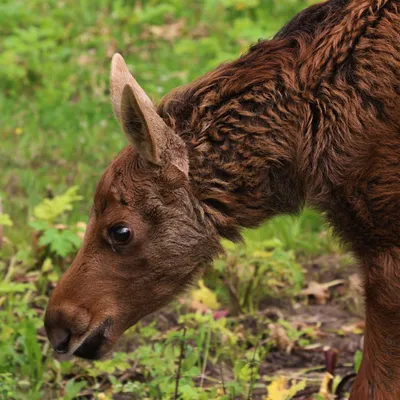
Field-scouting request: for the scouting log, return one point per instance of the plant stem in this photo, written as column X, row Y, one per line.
column 181, row 357
column 206, row 351
column 252, row 372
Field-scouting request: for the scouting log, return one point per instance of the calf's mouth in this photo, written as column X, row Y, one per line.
column 96, row 343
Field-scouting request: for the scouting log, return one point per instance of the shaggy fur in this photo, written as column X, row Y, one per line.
column 312, row 116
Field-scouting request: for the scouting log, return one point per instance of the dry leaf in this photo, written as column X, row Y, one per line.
column 221, row 314
column 317, row 291
column 84, row 59
column 320, row 291
column 280, row 338
column 356, row 284
column 82, row 229
column 324, row 389
column 357, row 327
column 111, row 48
column 198, row 306
column 168, row 32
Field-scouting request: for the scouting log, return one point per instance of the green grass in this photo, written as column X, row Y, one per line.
column 57, row 131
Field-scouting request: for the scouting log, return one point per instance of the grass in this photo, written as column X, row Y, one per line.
column 57, row 131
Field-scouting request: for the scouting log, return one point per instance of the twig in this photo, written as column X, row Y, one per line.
column 1, row 227
column 222, row 379
column 231, row 281
column 206, row 350
column 181, row 357
column 10, row 271
column 253, row 361
column 235, row 308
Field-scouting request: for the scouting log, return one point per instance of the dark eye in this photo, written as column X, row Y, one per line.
column 120, row 234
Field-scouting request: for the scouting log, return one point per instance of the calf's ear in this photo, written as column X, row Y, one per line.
column 144, row 128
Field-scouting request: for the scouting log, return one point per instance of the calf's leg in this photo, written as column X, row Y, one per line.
column 379, row 375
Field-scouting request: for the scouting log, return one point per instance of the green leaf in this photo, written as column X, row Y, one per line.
column 34, row 365
column 48, row 237
column 39, row 225
column 61, row 243
column 72, row 237
column 357, row 360
column 61, row 246
column 47, row 265
column 11, row 287
column 50, row 209
column 229, row 246
column 5, row 220
column 72, row 389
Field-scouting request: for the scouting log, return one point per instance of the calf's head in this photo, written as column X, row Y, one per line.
column 146, row 237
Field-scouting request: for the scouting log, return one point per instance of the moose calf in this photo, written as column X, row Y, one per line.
column 311, row 116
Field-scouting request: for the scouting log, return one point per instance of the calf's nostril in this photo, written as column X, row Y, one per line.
column 60, row 339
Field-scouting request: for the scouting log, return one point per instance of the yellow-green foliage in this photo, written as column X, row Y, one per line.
column 49, row 209
column 5, row 220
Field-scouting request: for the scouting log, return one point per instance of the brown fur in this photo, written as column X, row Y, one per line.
column 312, row 116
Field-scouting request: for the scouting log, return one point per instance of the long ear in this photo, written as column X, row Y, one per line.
column 136, row 113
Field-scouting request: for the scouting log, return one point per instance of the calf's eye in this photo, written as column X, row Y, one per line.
column 120, row 234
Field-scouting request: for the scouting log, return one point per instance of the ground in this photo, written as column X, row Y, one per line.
column 267, row 321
